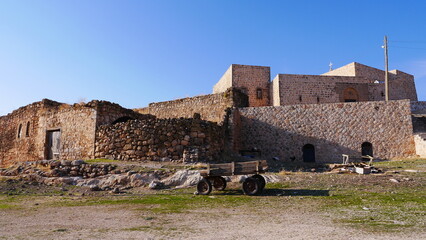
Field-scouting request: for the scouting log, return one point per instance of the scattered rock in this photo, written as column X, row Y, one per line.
column 394, row 180
column 156, row 185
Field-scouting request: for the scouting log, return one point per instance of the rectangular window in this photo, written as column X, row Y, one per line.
column 259, row 94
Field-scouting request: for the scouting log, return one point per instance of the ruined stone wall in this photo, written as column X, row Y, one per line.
column 160, row 139
column 211, row 107
column 108, row 112
column 333, row 129
column 20, row 145
column 76, row 124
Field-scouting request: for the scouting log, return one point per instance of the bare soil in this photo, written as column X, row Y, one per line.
column 302, row 206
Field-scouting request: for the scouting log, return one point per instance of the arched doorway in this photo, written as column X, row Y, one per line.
column 308, row 153
column 350, row 95
column 366, row 149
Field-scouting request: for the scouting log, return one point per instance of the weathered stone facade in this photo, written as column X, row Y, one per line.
column 351, row 83
column 332, row 130
column 25, row 133
column 292, row 118
column 211, row 107
column 160, row 139
column 252, row 80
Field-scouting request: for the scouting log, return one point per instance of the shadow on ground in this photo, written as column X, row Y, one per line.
column 281, row 192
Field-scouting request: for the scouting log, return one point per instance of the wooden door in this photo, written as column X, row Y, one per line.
column 53, row 144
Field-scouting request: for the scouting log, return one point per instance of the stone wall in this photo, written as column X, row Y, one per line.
column 333, row 130
column 211, row 107
column 420, row 140
column 418, row 107
column 18, row 131
column 160, row 139
column 252, row 80
column 309, row 89
column 76, row 124
column 401, row 85
column 108, row 113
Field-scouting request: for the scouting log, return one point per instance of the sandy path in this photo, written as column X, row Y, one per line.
column 128, row 222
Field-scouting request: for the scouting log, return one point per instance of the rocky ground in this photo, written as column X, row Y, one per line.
column 126, row 204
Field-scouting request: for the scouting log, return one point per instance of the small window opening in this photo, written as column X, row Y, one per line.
column 27, row 130
column 259, row 94
column 318, row 100
column 20, row 131
column 300, row 98
column 382, row 93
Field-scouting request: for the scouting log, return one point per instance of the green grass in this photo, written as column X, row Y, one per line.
column 415, row 164
column 172, row 202
column 102, row 160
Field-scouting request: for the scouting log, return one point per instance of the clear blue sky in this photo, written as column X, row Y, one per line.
column 136, row 52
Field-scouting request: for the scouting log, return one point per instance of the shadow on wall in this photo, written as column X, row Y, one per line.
column 280, row 146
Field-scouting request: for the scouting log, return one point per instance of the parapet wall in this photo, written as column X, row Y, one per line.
column 160, row 139
column 211, row 107
column 333, row 129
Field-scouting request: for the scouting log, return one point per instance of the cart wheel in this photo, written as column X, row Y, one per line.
column 261, row 180
column 251, row 186
column 219, row 183
column 204, row 187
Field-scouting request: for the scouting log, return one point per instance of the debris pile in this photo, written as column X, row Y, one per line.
column 360, row 168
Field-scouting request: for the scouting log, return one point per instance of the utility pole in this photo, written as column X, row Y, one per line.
column 386, row 69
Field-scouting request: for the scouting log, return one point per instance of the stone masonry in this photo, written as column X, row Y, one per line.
column 160, row 139
column 333, row 129
column 292, row 118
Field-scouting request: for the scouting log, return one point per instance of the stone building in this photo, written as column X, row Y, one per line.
column 310, row 118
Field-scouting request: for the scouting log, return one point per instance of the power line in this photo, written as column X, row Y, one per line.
column 408, row 47
column 409, row 41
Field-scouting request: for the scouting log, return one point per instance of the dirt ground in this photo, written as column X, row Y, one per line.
column 302, row 206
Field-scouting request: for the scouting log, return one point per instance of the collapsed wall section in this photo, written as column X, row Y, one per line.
column 109, row 113
column 330, row 129
column 211, row 107
column 160, row 139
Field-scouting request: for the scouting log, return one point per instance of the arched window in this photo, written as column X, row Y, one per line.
column 122, row 119
column 27, row 130
column 259, row 94
column 20, row 131
column 367, row 149
column 350, row 95
column 308, row 153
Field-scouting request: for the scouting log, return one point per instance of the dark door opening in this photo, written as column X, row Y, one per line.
column 308, row 153
column 366, row 149
column 53, row 142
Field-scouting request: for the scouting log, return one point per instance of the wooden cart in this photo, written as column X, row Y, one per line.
column 213, row 176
